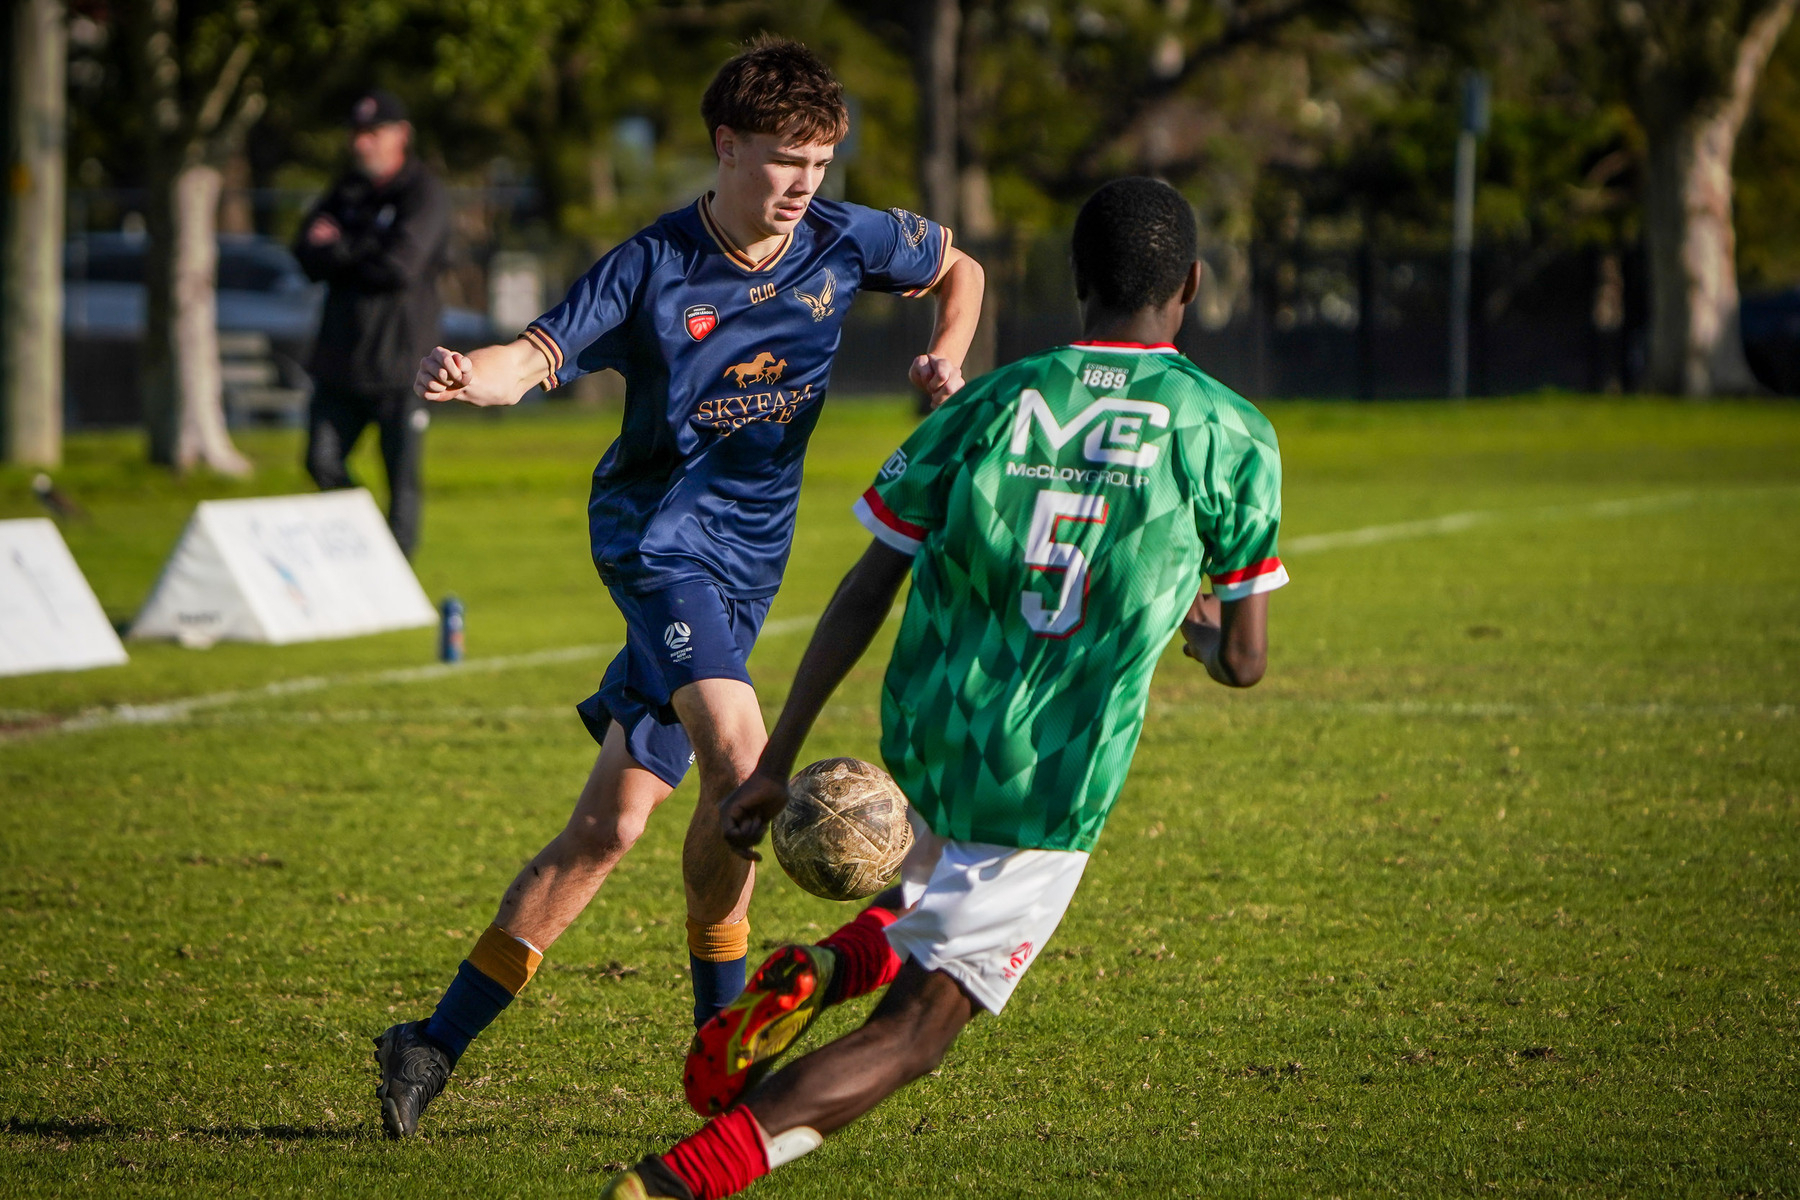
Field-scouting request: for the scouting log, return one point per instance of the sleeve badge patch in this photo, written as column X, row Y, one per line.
column 913, row 227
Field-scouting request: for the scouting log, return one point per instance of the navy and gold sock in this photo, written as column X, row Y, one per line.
column 717, row 957
column 497, row 969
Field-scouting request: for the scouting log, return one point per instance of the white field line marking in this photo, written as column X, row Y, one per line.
column 171, row 711
column 1499, row 708
column 1444, row 709
column 180, row 710
column 1371, row 535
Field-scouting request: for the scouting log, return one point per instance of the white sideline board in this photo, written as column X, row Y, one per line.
column 49, row 618
column 283, row 569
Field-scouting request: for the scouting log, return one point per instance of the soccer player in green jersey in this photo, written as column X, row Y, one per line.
column 1056, row 517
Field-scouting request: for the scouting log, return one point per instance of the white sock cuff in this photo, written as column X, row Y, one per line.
column 785, row 1147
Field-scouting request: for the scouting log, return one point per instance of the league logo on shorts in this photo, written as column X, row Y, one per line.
column 701, row 320
column 677, row 637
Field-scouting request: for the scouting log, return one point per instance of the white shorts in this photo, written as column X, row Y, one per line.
column 981, row 913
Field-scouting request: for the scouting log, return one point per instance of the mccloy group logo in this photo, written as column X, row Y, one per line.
column 1115, row 429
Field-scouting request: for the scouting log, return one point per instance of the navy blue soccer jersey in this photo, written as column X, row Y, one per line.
column 726, row 361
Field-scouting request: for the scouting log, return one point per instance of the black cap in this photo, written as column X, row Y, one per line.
column 378, row 107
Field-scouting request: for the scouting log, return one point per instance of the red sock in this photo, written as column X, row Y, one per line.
column 725, row 1157
column 865, row 960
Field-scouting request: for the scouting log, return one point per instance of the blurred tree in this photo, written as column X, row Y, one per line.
column 1330, row 119
column 199, row 97
column 31, row 232
column 1691, row 69
column 1767, row 172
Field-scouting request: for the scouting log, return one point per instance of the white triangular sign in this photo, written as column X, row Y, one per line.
column 49, row 617
column 285, row 569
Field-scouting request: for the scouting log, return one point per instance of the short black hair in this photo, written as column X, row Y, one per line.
column 1134, row 243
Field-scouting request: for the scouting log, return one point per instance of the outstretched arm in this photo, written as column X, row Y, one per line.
column 938, row 371
column 1229, row 638
column 850, row 623
column 493, row 375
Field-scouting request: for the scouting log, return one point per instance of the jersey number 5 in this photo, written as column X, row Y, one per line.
column 1044, row 553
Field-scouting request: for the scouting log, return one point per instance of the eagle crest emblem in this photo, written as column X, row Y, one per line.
column 819, row 303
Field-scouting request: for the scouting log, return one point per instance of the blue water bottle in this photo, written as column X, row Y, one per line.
column 450, row 630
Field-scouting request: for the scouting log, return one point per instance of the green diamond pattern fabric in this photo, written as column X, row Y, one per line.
column 1061, row 512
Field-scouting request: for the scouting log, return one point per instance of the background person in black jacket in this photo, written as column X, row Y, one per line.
column 377, row 239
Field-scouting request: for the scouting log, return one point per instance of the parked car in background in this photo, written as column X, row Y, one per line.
column 268, row 312
column 1771, row 325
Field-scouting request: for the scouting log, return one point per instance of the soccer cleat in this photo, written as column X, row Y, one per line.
column 736, row 1048
column 413, row 1071
column 626, row 1185
column 650, row 1179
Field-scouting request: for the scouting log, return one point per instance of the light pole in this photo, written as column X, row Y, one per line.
column 1462, row 241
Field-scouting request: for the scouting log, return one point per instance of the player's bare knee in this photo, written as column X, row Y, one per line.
column 921, row 1023
column 602, row 836
column 1245, row 667
column 720, row 773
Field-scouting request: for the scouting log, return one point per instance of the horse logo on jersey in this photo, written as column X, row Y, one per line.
column 820, row 304
column 913, row 227
column 701, row 320
column 764, row 368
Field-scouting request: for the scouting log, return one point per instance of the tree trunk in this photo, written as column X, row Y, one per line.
column 152, row 26
column 1696, row 345
column 938, row 29
column 1696, row 348
column 156, row 364
column 31, row 362
column 201, row 438
column 237, row 213
column 979, row 235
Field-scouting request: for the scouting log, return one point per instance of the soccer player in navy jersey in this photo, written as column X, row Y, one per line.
column 723, row 317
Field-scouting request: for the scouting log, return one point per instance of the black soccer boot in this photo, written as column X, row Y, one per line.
column 414, row 1070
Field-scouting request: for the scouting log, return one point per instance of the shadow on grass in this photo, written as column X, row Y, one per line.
column 96, row 1131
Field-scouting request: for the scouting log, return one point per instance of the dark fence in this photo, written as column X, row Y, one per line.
column 1362, row 322
column 1292, row 319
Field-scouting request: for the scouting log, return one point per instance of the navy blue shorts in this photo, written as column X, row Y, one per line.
column 673, row 637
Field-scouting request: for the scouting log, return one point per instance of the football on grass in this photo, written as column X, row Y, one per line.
column 844, row 831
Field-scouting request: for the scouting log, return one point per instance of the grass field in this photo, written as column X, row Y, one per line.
column 1490, row 888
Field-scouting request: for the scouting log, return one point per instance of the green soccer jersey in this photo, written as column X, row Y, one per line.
column 1060, row 512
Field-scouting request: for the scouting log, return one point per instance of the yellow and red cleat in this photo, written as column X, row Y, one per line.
column 736, row 1048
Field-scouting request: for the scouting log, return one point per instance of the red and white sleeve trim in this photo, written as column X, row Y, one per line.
column 1264, row 576
column 888, row 529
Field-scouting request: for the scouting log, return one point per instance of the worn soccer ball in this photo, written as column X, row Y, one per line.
column 844, row 831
